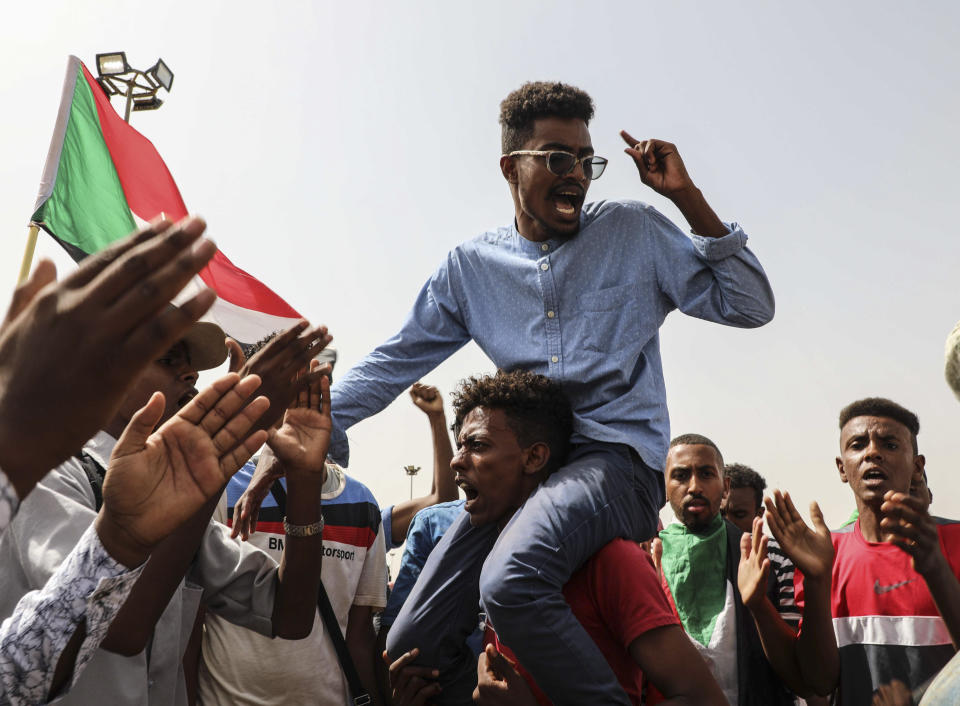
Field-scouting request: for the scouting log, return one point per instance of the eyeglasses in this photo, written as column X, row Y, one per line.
column 562, row 163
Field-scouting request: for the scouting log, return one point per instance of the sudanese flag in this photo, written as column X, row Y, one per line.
column 103, row 178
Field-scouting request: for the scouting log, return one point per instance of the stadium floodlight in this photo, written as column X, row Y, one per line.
column 163, row 74
column 118, row 78
column 112, row 64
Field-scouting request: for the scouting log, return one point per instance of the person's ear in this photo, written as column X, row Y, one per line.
column 843, row 474
column 919, row 462
column 536, row 458
column 726, row 486
column 508, row 167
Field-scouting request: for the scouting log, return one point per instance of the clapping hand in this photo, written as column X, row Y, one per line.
column 303, row 438
column 754, row 569
column 69, row 350
column 156, row 480
column 909, row 526
column 279, row 364
column 811, row 551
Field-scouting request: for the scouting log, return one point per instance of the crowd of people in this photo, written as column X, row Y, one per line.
column 164, row 545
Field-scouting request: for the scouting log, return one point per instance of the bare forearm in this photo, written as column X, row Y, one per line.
column 779, row 644
column 444, row 488
column 362, row 649
column 698, row 213
column 299, row 573
column 817, row 653
column 130, row 631
column 945, row 590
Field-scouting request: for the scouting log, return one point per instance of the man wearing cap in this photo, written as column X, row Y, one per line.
column 139, row 660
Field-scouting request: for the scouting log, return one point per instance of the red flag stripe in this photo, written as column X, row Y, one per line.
column 150, row 190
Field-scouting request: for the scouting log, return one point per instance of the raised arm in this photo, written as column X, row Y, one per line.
column 432, row 331
column 662, row 169
column 814, row 649
column 428, row 399
column 910, row 527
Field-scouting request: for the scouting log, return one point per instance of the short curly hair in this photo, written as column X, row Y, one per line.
column 536, row 408
column 535, row 100
column 697, row 440
column 882, row 407
column 742, row 476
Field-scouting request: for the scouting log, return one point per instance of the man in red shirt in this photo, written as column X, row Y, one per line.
column 512, row 432
column 895, row 595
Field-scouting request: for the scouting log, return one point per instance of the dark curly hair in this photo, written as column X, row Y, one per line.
column 535, row 406
column 882, row 407
column 742, row 476
column 539, row 99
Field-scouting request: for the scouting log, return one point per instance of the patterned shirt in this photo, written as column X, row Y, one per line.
column 89, row 586
column 8, row 501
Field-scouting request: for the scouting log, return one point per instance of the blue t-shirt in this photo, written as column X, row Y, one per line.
column 424, row 534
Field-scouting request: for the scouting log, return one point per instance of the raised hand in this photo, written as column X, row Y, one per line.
column 157, row 480
column 659, row 164
column 246, row 511
column 499, row 683
column 908, row 525
column 279, row 363
column 754, row 569
column 427, row 398
column 69, row 351
column 811, row 551
column 301, row 442
column 411, row 685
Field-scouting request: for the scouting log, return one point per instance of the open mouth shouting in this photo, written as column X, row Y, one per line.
column 469, row 490
column 874, row 478
column 567, row 200
column 185, row 398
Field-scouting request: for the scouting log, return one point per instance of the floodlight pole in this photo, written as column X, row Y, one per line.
column 411, row 471
column 126, row 113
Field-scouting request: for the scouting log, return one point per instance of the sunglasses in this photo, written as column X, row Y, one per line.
column 562, row 163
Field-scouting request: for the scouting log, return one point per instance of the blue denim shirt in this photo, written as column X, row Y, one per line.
column 585, row 311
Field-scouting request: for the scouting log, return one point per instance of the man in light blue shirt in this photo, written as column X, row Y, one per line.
column 577, row 293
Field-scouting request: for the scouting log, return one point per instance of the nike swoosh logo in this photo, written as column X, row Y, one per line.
column 879, row 590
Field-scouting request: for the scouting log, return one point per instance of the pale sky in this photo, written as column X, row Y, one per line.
column 338, row 150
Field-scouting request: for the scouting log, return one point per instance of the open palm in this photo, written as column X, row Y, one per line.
column 155, row 481
column 811, row 550
column 301, row 442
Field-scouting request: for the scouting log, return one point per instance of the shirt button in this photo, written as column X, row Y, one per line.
column 545, row 266
column 554, row 359
column 544, row 247
column 551, row 314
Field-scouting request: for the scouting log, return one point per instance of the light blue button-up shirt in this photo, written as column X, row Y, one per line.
column 585, row 311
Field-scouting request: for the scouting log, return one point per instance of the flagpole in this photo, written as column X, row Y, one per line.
column 28, row 254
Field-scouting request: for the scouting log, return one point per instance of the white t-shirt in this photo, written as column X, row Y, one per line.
column 242, row 667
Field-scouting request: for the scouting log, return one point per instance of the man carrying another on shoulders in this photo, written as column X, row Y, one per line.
column 512, row 431
column 576, row 292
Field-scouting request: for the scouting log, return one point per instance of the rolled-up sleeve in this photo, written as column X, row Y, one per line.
column 716, row 279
